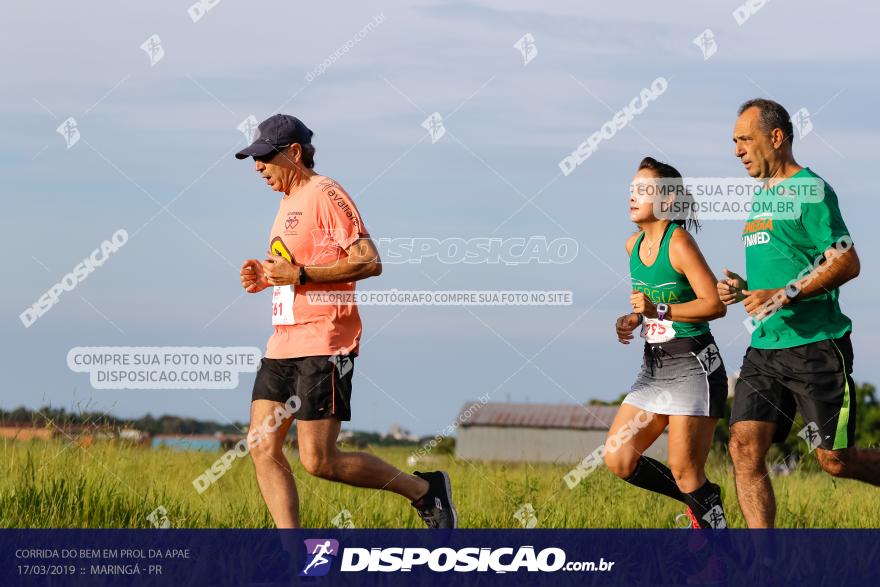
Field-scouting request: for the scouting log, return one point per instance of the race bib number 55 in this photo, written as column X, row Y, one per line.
column 282, row 305
column 654, row 330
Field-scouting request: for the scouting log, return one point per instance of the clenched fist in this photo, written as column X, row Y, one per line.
column 253, row 279
column 625, row 326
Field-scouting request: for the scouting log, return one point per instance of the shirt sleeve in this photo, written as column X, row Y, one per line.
column 823, row 221
column 341, row 217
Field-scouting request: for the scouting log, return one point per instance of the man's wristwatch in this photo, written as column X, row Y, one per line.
column 302, row 274
column 662, row 310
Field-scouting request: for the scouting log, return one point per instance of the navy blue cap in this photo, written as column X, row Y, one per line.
column 276, row 131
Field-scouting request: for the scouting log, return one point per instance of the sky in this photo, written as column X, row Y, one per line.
column 155, row 158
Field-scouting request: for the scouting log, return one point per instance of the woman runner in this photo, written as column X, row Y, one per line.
column 682, row 383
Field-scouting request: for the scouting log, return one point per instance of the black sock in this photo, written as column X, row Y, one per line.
column 706, row 504
column 655, row 476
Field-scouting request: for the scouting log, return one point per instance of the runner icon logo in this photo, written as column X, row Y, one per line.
column 320, row 555
column 343, row 519
column 343, row 363
column 709, row 358
column 706, row 42
column 434, row 125
column 811, row 435
column 526, row 46
column 525, row 515
column 716, row 518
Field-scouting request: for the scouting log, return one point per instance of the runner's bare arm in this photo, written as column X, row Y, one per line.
column 361, row 262
column 685, row 257
column 837, row 268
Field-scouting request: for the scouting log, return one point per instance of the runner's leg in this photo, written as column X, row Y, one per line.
column 321, row 457
column 690, row 439
column 749, row 443
column 633, row 431
column 273, row 470
column 862, row 464
column 831, row 406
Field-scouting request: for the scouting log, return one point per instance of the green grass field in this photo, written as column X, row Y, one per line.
column 54, row 485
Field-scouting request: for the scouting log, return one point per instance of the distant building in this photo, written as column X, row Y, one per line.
column 537, row 433
column 19, row 431
column 134, row 435
column 397, row 432
column 82, row 434
column 349, row 439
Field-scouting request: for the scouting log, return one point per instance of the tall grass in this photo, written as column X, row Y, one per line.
column 54, row 485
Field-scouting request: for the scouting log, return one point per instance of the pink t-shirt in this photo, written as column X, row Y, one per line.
column 315, row 226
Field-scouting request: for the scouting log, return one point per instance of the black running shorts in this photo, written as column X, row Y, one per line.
column 322, row 383
column 816, row 379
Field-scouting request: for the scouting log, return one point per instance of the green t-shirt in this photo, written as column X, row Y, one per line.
column 663, row 284
column 782, row 247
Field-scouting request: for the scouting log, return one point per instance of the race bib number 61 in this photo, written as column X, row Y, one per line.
column 282, row 305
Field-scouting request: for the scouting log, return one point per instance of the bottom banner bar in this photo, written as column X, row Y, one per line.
column 425, row 557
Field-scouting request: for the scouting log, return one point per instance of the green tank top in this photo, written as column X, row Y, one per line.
column 663, row 284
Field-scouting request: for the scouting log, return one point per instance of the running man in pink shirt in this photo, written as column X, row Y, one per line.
column 318, row 243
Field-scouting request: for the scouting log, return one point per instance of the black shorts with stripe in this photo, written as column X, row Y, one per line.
column 814, row 379
column 322, row 383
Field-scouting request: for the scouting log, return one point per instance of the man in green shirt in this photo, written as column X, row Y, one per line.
column 798, row 254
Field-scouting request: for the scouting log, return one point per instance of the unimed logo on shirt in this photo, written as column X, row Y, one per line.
column 757, row 231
